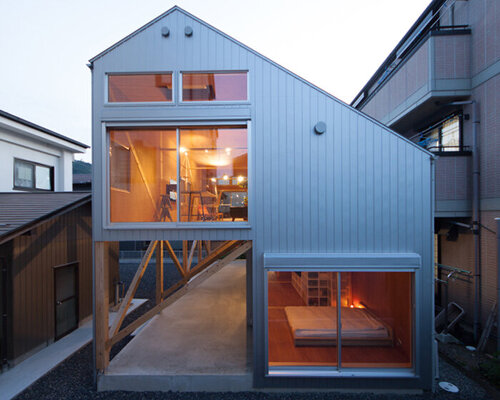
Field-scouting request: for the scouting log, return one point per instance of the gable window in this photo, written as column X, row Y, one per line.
column 446, row 135
column 139, row 88
column 32, row 176
column 224, row 86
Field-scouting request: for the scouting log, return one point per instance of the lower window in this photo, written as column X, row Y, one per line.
column 32, row 176
column 374, row 310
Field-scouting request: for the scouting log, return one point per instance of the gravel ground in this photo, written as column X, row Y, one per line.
column 73, row 378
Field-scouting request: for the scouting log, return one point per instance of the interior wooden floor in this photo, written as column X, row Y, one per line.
column 282, row 350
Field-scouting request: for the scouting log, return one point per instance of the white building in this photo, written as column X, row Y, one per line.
column 34, row 158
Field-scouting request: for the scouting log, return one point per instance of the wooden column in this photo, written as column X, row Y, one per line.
column 159, row 271
column 101, row 291
column 184, row 254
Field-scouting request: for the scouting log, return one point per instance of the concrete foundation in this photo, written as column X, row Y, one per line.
column 199, row 343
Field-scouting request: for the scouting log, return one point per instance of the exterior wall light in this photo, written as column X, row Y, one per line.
column 320, row 128
column 165, row 32
column 188, row 31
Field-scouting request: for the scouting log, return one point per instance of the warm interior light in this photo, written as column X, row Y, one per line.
column 206, row 150
column 352, row 305
column 225, row 177
column 228, row 149
column 241, row 179
column 213, row 180
column 182, row 149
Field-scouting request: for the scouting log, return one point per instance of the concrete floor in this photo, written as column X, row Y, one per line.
column 199, row 343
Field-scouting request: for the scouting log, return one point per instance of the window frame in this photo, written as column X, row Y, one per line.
column 172, row 102
column 106, row 184
column 347, row 262
column 439, row 125
column 215, row 102
column 34, row 188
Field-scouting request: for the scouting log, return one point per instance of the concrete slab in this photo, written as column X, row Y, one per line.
column 199, row 343
column 18, row 378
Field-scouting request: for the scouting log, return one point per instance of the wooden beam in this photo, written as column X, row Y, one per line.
column 132, row 289
column 191, row 254
column 224, row 248
column 207, row 246
column 143, row 175
column 200, row 250
column 174, row 258
column 159, row 271
column 197, row 280
column 101, row 288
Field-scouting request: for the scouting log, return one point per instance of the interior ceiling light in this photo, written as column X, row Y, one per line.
column 225, row 177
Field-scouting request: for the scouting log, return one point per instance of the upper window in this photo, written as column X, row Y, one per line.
column 139, row 88
column 32, row 176
column 443, row 136
column 214, row 86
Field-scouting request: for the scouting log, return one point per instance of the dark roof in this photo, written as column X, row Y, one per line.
column 20, row 211
column 435, row 4
column 82, row 178
column 41, row 128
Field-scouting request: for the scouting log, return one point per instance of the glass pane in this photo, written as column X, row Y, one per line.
column 42, row 178
column 377, row 317
column 302, row 318
column 450, row 134
column 432, row 140
column 139, row 88
column 65, row 282
column 214, row 87
column 143, row 175
column 23, row 174
column 213, row 167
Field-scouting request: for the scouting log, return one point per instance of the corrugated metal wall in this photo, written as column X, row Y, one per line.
column 358, row 188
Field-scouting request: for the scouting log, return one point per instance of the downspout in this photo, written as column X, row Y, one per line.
column 498, row 285
column 476, row 220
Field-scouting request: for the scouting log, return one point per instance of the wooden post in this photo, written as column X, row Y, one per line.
column 159, row 271
column 200, row 251
column 184, row 254
column 101, row 290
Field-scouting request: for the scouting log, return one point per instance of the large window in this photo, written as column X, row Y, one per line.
column 32, row 176
column 443, row 136
column 227, row 86
column 203, row 179
column 139, row 88
column 374, row 310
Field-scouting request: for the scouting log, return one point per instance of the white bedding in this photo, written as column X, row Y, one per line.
column 321, row 322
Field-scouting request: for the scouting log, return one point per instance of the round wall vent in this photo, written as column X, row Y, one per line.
column 320, row 128
column 188, row 31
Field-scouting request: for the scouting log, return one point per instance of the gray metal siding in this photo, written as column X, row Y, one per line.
column 358, row 188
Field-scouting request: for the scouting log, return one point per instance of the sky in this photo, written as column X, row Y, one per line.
column 46, row 44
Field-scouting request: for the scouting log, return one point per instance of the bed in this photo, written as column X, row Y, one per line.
column 317, row 326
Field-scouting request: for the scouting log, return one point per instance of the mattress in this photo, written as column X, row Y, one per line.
column 317, row 326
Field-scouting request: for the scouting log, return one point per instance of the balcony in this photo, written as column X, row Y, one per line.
column 437, row 70
column 453, row 185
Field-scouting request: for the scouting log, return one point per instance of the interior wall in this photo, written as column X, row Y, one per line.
column 389, row 296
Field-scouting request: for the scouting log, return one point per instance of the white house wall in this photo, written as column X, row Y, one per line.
column 358, row 188
column 16, row 146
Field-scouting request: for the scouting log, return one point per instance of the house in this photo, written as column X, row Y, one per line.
column 200, row 139
column 34, row 158
column 440, row 88
column 46, row 263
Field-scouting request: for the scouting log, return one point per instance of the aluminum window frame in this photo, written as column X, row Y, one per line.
column 173, row 102
column 178, row 125
column 344, row 262
column 214, row 102
column 35, row 164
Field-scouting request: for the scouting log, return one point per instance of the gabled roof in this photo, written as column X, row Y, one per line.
column 179, row 9
column 41, row 128
column 20, row 212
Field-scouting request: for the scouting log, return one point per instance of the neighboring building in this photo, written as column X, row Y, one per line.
column 82, row 182
column 440, row 80
column 198, row 138
column 46, row 264
column 33, row 158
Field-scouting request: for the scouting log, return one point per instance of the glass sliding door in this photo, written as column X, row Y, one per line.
column 302, row 319
column 375, row 311
column 377, row 319
column 208, row 165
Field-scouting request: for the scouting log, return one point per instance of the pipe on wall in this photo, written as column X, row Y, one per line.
column 498, row 285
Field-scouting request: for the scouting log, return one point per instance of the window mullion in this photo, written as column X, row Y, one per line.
column 178, row 141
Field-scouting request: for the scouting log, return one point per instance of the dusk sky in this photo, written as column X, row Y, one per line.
column 46, row 44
